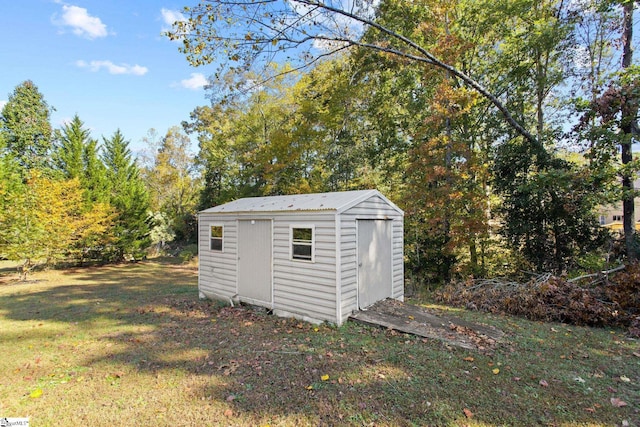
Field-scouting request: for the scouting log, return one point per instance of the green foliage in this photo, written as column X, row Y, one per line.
column 548, row 208
column 69, row 148
column 45, row 220
column 170, row 177
column 25, row 127
column 129, row 197
column 188, row 253
column 94, row 177
column 161, row 233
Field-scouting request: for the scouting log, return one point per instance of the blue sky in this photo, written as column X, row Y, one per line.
column 103, row 60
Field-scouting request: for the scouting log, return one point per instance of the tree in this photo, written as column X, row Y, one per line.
column 26, row 128
column 45, row 220
column 548, row 213
column 253, row 33
column 94, row 177
column 610, row 121
column 129, row 197
column 173, row 185
column 69, row 148
column 629, row 127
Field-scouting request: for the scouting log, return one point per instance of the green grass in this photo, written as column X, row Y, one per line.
column 132, row 345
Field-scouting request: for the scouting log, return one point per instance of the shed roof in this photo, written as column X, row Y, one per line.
column 337, row 201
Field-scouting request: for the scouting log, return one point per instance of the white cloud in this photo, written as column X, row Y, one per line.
column 195, row 82
column 112, row 68
column 82, row 24
column 170, row 16
column 2, row 104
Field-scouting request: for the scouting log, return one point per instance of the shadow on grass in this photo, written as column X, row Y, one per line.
column 266, row 368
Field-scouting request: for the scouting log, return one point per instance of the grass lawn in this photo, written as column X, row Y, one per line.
column 133, row 345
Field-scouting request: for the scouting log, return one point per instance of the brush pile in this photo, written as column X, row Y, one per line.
column 609, row 298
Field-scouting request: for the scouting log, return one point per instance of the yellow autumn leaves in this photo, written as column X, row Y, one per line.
column 324, row 377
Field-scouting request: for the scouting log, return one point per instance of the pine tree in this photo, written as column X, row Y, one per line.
column 25, row 127
column 94, row 178
column 128, row 195
column 69, row 148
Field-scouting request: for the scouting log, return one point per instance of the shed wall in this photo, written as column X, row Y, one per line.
column 217, row 271
column 372, row 208
column 303, row 288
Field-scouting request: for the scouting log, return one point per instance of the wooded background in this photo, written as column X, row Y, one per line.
column 498, row 126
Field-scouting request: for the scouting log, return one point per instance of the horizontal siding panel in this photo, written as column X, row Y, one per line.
column 218, row 263
column 217, row 285
column 294, row 288
column 217, row 270
column 322, row 278
column 312, row 293
column 304, row 305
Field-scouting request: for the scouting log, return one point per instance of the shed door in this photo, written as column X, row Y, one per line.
column 254, row 260
column 374, row 261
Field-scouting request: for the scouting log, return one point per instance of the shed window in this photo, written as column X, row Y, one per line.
column 617, row 217
column 302, row 243
column 216, row 238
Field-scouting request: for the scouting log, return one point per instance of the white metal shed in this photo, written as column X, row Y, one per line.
column 317, row 257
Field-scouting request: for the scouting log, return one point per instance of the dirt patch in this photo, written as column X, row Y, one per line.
column 412, row 319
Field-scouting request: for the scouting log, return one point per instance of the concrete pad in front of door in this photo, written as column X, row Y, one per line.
column 415, row 320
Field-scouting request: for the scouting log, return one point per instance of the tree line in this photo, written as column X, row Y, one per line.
column 498, row 126
column 64, row 196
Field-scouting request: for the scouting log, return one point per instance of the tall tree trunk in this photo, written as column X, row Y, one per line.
column 629, row 113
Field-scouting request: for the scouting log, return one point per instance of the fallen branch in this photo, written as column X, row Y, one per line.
column 598, row 274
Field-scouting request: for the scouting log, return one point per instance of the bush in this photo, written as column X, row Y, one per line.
column 188, row 253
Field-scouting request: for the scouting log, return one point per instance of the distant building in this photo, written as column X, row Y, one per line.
column 610, row 216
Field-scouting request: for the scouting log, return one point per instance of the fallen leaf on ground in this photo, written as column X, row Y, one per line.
column 624, row 379
column 496, row 371
column 467, row 413
column 618, row 403
column 228, row 413
column 543, row 383
column 324, row 377
column 36, row 393
column 468, row 359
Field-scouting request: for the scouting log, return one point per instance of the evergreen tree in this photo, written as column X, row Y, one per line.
column 94, row 178
column 69, row 148
column 25, row 127
column 129, row 197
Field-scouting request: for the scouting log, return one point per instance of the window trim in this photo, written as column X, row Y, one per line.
column 312, row 244
column 221, row 237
